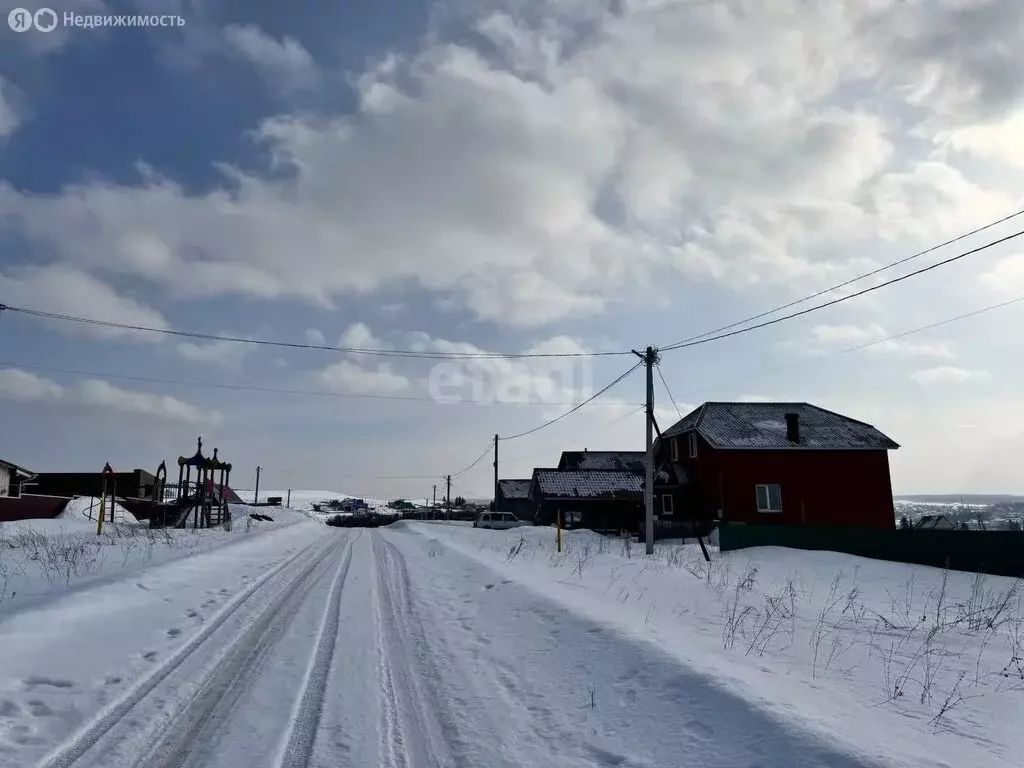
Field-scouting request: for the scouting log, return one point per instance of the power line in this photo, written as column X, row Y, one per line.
column 603, row 425
column 853, row 280
column 776, row 369
column 669, row 391
column 481, row 458
column 929, row 327
column 271, row 390
column 407, row 353
column 901, row 278
column 576, row 408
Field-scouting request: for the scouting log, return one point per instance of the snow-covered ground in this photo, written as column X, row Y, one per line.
column 43, row 558
column 910, row 662
column 431, row 645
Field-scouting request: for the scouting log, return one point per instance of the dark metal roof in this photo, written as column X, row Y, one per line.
column 588, row 484
column 623, row 461
column 515, row 489
column 763, row 426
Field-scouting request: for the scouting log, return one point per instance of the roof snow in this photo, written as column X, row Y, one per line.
column 763, row 425
column 515, row 489
column 588, row 484
column 625, row 461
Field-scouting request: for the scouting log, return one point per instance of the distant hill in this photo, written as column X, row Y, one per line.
column 961, row 498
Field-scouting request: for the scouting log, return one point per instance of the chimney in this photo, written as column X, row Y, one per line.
column 793, row 427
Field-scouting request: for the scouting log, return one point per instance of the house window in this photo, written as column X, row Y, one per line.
column 667, row 507
column 769, row 498
column 675, row 449
column 693, row 445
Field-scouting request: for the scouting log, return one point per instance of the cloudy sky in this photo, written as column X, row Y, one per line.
column 505, row 176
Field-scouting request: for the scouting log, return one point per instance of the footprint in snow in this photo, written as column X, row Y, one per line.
column 112, row 681
column 149, row 655
column 697, row 725
column 191, row 613
column 9, row 708
column 142, row 586
column 173, row 632
column 39, row 709
column 488, row 586
column 37, row 681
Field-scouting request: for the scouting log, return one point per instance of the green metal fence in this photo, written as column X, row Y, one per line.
column 994, row 552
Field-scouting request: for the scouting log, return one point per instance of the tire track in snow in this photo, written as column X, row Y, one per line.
column 409, row 708
column 305, row 721
column 73, row 749
column 392, row 752
column 191, row 734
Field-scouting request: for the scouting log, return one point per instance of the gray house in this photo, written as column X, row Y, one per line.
column 11, row 478
column 514, row 497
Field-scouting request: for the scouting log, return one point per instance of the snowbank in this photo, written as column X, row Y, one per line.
column 926, row 666
column 40, row 559
column 84, row 508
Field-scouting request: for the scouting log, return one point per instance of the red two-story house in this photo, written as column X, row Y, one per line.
column 773, row 463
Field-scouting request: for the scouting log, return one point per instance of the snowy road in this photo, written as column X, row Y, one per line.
column 367, row 648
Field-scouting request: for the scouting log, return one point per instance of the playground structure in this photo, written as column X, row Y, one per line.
column 201, row 497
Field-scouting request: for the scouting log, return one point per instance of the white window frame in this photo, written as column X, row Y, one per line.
column 693, row 445
column 670, row 511
column 674, row 446
column 768, row 510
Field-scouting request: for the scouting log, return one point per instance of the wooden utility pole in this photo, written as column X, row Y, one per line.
column 650, row 358
column 289, row 502
column 495, row 505
column 448, row 503
column 433, row 504
column 256, row 497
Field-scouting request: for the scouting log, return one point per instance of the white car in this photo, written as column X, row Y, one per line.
column 499, row 521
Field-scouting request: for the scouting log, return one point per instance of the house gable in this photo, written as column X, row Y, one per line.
column 514, row 489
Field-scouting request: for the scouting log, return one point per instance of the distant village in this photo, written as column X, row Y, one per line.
column 783, row 465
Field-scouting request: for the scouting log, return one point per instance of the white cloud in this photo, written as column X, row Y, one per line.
column 223, row 353
column 565, row 166
column 101, row 394
column 849, row 336
column 946, row 375
column 542, row 180
column 313, row 336
column 998, row 141
column 359, row 336
column 350, row 378
column 1006, row 276
column 22, row 386
column 287, row 61
column 933, row 199
column 69, row 291
column 12, row 109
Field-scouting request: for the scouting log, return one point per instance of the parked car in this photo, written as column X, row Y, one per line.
column 499, row 521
